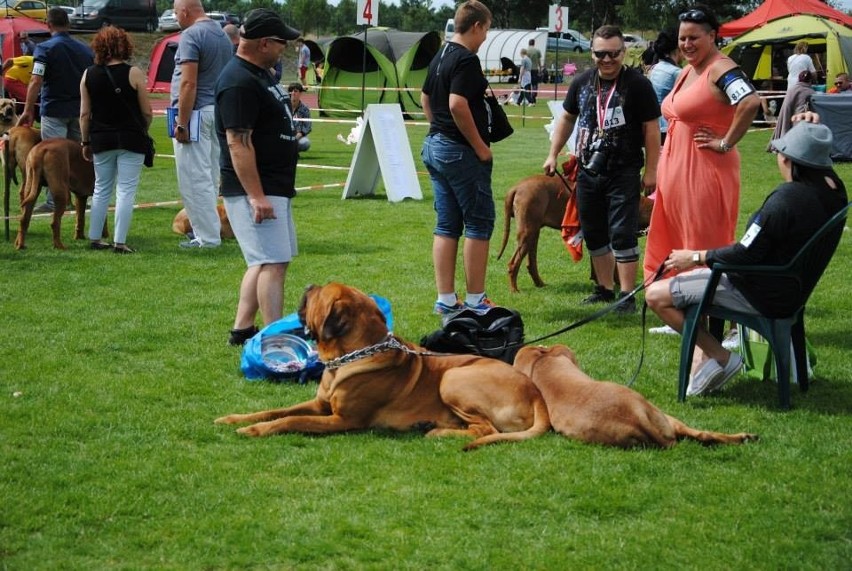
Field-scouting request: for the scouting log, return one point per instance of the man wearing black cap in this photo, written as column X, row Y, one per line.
column 254, row 122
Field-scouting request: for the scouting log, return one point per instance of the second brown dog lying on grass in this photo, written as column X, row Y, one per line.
column 597, row 412
column 181, row 225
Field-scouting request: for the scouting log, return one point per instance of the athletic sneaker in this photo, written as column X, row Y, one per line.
column 484, row 305
column 442, row 308
column 735, row 363
column 626, row 306
column 600, row 295
column 196, row 243
column 664, row 330
column 706, row 375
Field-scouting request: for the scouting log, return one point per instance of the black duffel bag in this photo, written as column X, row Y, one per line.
column 497, row 333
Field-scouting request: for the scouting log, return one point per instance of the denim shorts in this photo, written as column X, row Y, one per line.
column 273, row 241
column 609, row 212
column 688, row 289
column 461, row 183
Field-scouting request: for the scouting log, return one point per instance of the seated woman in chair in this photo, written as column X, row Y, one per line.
column 811, row 194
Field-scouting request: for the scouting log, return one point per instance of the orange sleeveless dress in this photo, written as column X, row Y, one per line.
column 698, row 190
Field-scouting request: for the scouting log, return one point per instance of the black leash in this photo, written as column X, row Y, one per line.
column 601, row 312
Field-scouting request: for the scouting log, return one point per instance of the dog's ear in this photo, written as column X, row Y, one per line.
column 336, row 323
column 302, row 312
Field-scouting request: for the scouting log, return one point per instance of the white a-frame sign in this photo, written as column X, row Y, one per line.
column 383, row 147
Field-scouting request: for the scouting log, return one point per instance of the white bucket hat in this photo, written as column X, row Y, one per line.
column 806, row 143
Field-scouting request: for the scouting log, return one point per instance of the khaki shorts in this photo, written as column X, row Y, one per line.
column 688, row 289
column 272, row 241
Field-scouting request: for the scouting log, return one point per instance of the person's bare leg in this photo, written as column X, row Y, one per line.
column 626, row 275
column 604, row 267
column 247, row 304
column 270, row 292
column 475, row 264
column 444, row 253
column 659, row 299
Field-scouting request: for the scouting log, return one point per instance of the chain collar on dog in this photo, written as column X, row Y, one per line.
column 388, row 344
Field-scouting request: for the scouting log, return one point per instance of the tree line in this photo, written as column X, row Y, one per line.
column 320, row 18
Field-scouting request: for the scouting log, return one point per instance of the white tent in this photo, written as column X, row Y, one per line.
column 507, row 44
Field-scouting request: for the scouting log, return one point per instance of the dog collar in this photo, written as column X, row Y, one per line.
column 388, row 344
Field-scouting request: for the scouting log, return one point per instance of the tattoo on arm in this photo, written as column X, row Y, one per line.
column 243, row 136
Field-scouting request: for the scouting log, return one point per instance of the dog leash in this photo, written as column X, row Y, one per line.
column 601, row 312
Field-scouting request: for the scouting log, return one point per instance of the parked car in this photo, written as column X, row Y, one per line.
column 635, row 41
column 224, row 18
column 68, row 9
column 168, row 22
column 569, row 40
column 128, row 14
column 28, row 8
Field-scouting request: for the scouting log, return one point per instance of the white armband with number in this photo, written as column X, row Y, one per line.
column 38, row 68
column 736, row 85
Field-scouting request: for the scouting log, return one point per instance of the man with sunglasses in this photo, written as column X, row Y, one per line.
column 841, row 84
column 202, row 52
column 617, row 114
column 257, row 134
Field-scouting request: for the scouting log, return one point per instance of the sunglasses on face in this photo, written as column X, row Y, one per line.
column 602, row 54
column 696, row 16
column 838, row 83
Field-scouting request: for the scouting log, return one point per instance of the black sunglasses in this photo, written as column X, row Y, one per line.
column 603, row 53
column 696, row 16
column 838, row 83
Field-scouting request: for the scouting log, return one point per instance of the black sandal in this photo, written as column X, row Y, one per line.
column 98, row 245
column 123, row 249
column 240, row 336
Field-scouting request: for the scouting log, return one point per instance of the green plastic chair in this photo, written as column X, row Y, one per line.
column 779, row 331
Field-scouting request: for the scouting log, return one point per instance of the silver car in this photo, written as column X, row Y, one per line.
column 168, row 22
column 568, row 41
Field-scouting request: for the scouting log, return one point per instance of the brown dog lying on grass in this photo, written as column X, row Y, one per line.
column 537, row 202
column 181, row 225
column 596, row 412
column 60, row 162
column 376, row 380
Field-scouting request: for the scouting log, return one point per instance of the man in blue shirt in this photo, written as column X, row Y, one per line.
column 58, row 66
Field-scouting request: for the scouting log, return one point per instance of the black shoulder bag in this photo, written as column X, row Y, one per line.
column 150, row 150
column 497, row 333
column 498, row 123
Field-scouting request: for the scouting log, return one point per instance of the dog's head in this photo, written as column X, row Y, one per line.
column 8, row 116
column 529, row 356
column 341, row 319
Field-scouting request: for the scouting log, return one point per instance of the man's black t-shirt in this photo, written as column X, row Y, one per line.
column 625, row 104
column 456, row 70
column 247, row 97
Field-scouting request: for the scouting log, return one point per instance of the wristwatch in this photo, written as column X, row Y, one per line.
column 724, row 146
column 696, row 258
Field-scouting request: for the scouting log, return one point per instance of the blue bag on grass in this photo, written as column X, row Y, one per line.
column 280, row 350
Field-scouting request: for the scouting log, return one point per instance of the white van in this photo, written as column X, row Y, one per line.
column 449, row 29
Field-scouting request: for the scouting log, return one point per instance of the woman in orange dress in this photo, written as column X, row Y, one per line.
column 698, row 178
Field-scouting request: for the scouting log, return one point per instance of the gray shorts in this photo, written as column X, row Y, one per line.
column 271, row 241
column 688, row 289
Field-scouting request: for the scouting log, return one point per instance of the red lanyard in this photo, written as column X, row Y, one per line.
column 602, row 109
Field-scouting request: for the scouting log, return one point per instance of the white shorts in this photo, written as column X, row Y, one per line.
column 270, row 242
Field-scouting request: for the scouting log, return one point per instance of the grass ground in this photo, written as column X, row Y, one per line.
column 112, row 369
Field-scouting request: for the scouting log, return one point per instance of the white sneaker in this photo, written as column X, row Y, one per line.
column 731, row 341
column 706, row 375
column 735, row 363
column 664, row 330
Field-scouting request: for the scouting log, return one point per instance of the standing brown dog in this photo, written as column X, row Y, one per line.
column 20, row 143
column 374, row 379
column 598, row 412
column 536, row 202
column 60, row 162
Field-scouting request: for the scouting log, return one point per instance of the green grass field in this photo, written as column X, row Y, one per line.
column 112, row 369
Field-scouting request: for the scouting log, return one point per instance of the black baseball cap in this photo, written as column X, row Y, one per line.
column 266, row 23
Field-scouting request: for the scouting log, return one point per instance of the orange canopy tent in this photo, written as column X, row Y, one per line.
column 774, row 9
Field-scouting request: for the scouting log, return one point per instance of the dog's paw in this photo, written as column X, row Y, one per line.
column 253, row 430
column 230, row 419
column 746, row 437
